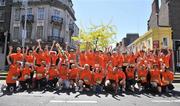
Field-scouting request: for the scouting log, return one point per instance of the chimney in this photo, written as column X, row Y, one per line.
column 155, row 7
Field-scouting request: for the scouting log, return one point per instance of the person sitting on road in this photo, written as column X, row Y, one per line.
column 167, row 78
column 142, row 80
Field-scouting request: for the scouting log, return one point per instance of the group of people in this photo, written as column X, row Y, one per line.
column 89, row 70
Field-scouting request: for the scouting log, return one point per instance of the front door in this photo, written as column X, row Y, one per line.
column 177, row 56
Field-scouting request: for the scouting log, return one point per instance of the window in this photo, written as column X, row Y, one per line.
column 29, row 11
column 55, row 31
column 56, row 12
column 17, row 14
column 39, row 32
column 2, row 14
column 165, row 42
column 40, row 13
column 29, row 31
column 2, row 2
column 16, row 33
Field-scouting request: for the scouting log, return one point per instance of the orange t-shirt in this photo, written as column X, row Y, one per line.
column 53, row 73
column 130, row 73
column 97, row 77
column 142, row 75
column 38, row 58
column 90, row 58
column 112, row 76
column 14, row 71
column 115, row 60
column 16, row 57
column 54, row 58
column 63, row 73
column 29, row 58
column 40, row 70
column 167, row 76
column 86, row 76
column 155, row 76
column 121, row 75
column 83, row 59
column 73, row 73
column 25, row 71
column 72, row 56
column 131, row 59
column 166, row 60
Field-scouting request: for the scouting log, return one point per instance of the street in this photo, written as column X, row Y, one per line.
column 37, row 98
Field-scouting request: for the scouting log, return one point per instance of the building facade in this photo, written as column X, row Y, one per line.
column 130, row 37
column 47, row 20
column 167, row 15
column 5, row 17
column 159, row 38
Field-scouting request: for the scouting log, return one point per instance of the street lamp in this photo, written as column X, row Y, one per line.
column 24, row 31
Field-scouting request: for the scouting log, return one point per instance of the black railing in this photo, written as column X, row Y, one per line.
column 56, row 19
column 56, row 38
column 30, row 18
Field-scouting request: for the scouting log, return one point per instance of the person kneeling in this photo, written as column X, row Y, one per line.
column 24, row 80
column 142, row 78
column 167, row 78
column 98, row 76
column 51, row 77
column 155, row 79
column 111, row 81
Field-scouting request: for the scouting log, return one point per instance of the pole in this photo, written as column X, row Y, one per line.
column 5, row 47
column 24, row 32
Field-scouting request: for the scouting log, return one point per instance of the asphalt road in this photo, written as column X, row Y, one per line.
column 88, row 99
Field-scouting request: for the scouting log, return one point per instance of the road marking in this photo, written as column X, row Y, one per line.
column 73, row 101
column 166, row 101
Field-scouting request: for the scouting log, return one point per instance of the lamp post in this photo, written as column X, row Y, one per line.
column 24, row 31
column 5, row 47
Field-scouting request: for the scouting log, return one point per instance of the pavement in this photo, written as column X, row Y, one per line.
column 40, row 98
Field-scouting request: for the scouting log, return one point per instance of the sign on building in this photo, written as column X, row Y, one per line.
column 156, row 44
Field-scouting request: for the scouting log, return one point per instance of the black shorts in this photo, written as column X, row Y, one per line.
column 131, row 81
column 112, row 81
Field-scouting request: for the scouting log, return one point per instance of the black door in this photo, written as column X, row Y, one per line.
column 177, row 56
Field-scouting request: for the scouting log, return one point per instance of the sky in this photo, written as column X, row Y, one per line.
column 129, row 16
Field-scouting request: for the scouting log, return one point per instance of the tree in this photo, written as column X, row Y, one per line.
column 96, row 37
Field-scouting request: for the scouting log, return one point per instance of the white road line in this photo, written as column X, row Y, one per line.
column 73, row 101
column 166, row 101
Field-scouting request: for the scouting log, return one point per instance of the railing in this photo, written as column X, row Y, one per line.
column 56, row 38
column 30, row 18
column 56, row 19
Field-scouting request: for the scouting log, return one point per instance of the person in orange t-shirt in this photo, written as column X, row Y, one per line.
column 40, row 75
column 16, row 57
column 54, row 57
column 25, row 80
column 12, row 77
column 111, row 80
column 115, row 60
column 155, row 78
column 130, row 78
column 83, row 58
column 52, row 77
column 63, row 81
column 142, row 77
column 90, row 58
column 167, row 79
column 73, row 77
column 85, row 78
column 98, row 76
column 121, row 79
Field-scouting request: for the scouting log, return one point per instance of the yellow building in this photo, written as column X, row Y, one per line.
column 160, row 37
